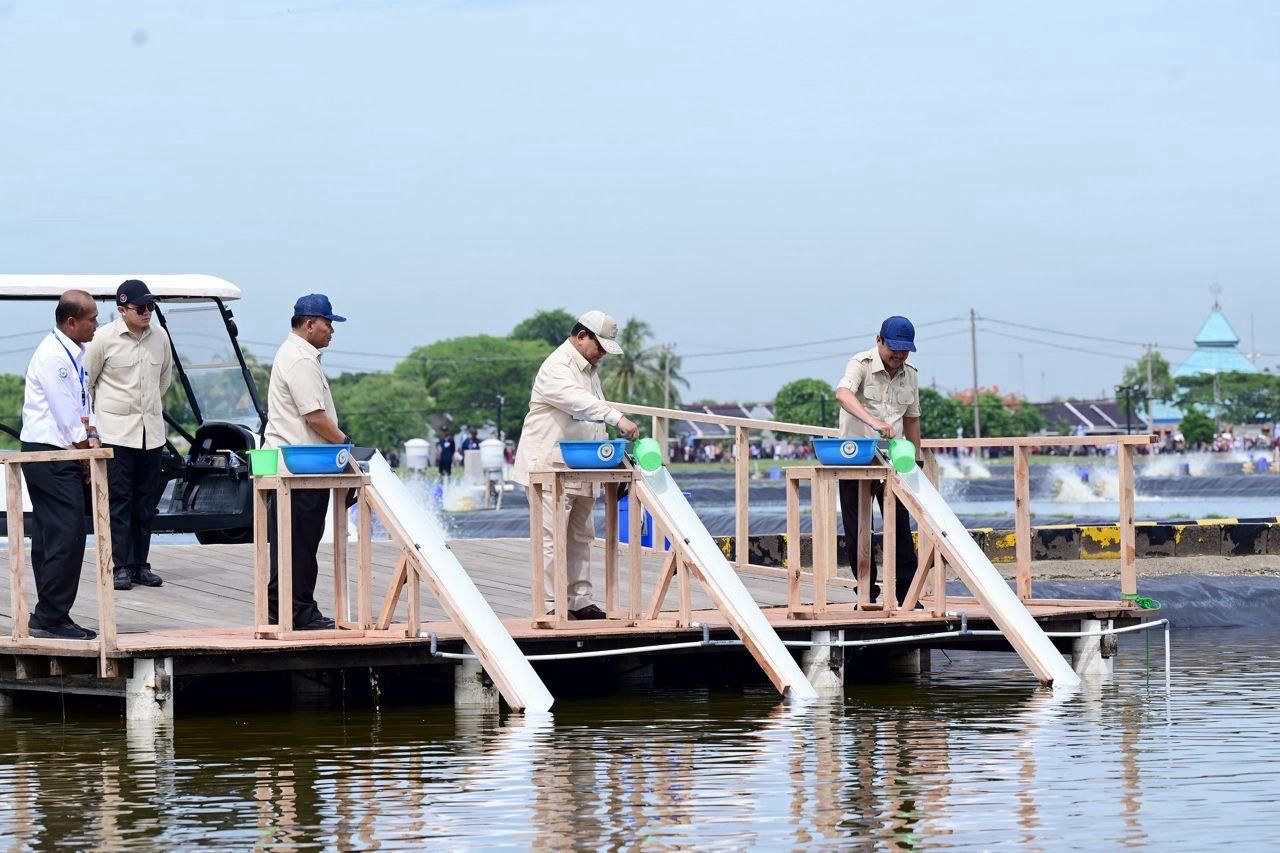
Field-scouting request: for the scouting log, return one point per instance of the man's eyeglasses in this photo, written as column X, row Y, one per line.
column 142, row 309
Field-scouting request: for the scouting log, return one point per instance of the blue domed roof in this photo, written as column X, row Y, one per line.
column 1216, row 332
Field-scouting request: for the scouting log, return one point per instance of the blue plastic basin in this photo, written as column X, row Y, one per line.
column 593, row 454
column 316, row 458
column 845, row 451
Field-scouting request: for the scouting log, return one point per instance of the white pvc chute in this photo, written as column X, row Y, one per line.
column 462, row 602
column 666, row 502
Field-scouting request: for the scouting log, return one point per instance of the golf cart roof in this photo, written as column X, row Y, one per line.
column 169, row 288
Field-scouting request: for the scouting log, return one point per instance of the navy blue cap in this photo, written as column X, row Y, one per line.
column 133, row 292
column 898, row 334
column 316, row 305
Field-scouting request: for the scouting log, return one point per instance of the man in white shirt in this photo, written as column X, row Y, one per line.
column 57, row 415
column 568, row 403
column 300, row 410
column 130, row 366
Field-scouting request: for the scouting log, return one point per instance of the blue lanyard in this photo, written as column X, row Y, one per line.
column 84, row 391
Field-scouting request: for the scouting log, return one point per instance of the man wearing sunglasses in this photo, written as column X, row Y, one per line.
column 130, row 366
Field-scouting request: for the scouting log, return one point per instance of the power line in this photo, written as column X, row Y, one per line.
column 1078, row 335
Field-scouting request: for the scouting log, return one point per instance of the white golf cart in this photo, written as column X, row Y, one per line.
column 213, row 409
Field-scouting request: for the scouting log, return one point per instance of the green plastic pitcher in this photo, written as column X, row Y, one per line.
column 902, row 454
column 264, row 462
column 648, row 454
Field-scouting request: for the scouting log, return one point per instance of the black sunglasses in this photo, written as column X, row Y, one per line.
column 143, row 309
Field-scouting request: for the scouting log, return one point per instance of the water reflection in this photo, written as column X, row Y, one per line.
column 970, row 755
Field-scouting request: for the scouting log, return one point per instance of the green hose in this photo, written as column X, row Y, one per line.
column 1141, row 600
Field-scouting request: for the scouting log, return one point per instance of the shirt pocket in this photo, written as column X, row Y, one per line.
column 906, row 397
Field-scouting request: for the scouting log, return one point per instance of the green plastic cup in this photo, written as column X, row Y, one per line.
column 264, row 462
column 648, row 454
column 902, row 454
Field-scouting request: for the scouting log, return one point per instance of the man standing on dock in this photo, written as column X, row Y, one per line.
column 879, row 395
column 130, row 367
column 300, row 410
column 57, row 415
column 568, row 404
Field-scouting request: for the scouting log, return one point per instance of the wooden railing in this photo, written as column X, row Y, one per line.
column 97, row 459
column 1021, row 446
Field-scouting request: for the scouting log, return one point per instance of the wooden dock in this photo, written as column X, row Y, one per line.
column 210, row 587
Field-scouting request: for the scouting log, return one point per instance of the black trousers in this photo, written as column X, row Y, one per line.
column 57, row 534
column 905, row 571
column 134, row 478
column 445, row 468
column 309, row 507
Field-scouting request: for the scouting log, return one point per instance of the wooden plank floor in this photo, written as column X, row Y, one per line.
column 206, row 603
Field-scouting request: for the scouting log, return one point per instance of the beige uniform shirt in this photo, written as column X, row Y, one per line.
column 889, row 399
column 127, row 380
column 567, row 403
column 297, row 388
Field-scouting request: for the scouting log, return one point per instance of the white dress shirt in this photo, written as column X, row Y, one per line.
column 567, row 403
column 57, row 394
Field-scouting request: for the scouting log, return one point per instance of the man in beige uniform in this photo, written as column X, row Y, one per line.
column 880, row 396
column 130, row 366
column 568, row 403
column 300, row 410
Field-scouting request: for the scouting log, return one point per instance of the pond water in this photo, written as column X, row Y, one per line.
column 970, row 756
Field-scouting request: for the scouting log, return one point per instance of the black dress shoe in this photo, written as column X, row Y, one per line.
column 320, row 623
column 124, row 579
column 589, row 612
column 68, row 630
column 143, row 576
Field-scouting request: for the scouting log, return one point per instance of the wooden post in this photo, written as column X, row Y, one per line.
column 611, row 549
column 17, row 556
column 889, row 569
column 686, row 599
column 939, row 581
column 106, row 582
column 863, row 573
column 793, row 544
column 284, row 556
column 560, row 543
column 364, row 563
column 1022, row 518
column 742, row 485
column 1128, row 533
column 340, row 589
column 415, row 600
column 633, row 553
column 261, row 553
column 389, row 601
column 820, row 494
column 660, row 435
column 537, row 556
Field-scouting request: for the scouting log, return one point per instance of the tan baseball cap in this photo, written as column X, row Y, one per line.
column 605, row 328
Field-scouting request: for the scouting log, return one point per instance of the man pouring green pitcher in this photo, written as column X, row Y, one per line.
column 879, row 396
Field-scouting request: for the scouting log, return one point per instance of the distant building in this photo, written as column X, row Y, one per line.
column 691, row 432
column 1217, row 351
column 1088, row 417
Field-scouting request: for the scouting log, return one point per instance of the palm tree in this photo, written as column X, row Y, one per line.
column 646, row 373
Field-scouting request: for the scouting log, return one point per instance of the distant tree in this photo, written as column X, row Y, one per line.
column 639, row 375
column 1162, row 385
column 12, row 389
column 940, row 416
column 1197, row 427
column 801, row 402
column 380, row 409
column 1240, row 398
column 552, row 326
column 1027, row 419
column 465, row 376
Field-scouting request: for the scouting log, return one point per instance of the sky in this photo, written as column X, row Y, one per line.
column 761, row 182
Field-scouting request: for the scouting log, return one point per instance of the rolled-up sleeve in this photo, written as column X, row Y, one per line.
column 556, row 386
column 853, row 376
column 305, row 382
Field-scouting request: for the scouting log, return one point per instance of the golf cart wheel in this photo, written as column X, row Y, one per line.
column 235, row 536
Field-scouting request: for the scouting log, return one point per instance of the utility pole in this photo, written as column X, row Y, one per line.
column 973, row 345
column 501, row 400
column 1151, row 356
column 666, row 375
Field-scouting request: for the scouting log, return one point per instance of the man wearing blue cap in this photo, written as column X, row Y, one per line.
column 300, row 410
column 879, row 395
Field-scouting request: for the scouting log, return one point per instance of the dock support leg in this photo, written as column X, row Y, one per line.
column 1087, row 652
column 900, row 661
column 823, row 663
column 6, row 703
column 472, row 687
column 148, row 693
